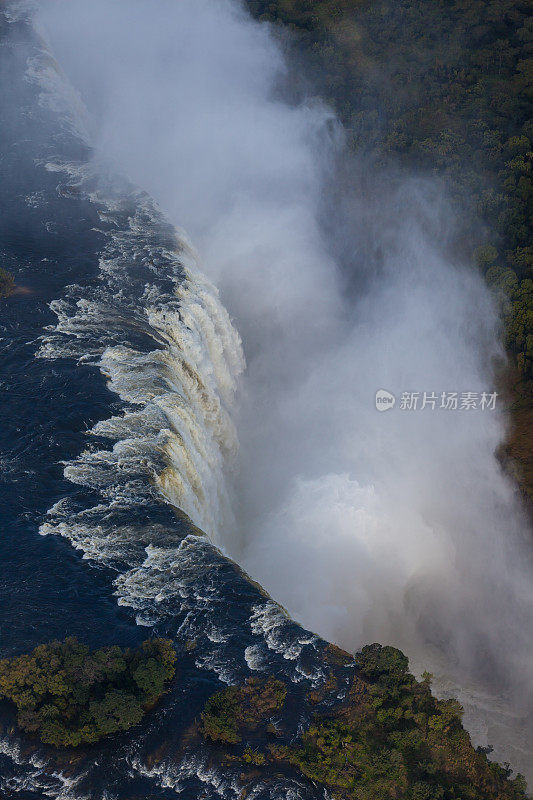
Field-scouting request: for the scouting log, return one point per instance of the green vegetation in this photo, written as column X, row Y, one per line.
column 441, row 87
column 390, row 738
column 393, row 739
column 7, row 283
column 69, row 695
column 518, row 311
column 253, row 757
column 241, row 708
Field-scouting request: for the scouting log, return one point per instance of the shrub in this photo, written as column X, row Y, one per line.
column 69, row 695
column 239, row 708
column 7, row 283
column 387, row 738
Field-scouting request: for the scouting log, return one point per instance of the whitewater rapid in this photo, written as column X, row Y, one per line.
column 177, row 435
column 155, row 328
column 152, row 492
column 145, row 501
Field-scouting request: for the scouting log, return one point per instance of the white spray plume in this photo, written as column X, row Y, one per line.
column 397, row 526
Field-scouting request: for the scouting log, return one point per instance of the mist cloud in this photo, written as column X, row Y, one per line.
column 399, row 527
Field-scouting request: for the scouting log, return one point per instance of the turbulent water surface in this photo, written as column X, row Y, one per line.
column 130, row 359
column 119, row 371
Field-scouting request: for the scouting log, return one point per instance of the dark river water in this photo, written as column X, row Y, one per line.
column 103, row 348
column 118, row 367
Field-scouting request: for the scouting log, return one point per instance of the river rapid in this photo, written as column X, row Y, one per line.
column 119, row 371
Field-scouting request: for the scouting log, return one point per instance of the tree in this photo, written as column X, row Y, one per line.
column 70, row 695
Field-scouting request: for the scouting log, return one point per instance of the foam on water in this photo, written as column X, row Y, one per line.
column 175, row 434
column 154, row 326
column 32, row 773
column 222, row 784
column 214, row 782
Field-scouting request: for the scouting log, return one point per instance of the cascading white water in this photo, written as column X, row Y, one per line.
column 155, row 327
column 178, row 433
column 399, row 527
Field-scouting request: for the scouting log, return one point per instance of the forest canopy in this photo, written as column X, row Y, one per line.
column 445, row 87
column 69, row 695
column 388, row 737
